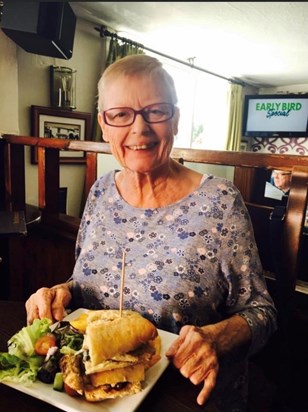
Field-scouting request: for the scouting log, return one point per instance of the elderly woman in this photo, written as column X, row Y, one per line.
column 192, row 265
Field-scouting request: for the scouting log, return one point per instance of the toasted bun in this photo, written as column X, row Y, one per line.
column 105, row 392
column 71, row 371
column 108, row 334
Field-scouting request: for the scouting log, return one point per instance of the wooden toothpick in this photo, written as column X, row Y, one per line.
column 122, row 282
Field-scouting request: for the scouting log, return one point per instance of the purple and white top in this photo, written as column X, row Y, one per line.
column 192, row 262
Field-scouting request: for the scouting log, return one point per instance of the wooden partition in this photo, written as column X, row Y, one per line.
column 248, row 167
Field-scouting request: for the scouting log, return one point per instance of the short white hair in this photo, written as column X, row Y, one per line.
column 134, row 65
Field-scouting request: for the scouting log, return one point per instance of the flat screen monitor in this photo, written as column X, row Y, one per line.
column 275, row 115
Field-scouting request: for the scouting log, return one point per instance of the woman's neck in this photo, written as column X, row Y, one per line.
column 160, row 188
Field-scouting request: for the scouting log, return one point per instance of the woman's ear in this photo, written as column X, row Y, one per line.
column 102, row 124
column 176, row 119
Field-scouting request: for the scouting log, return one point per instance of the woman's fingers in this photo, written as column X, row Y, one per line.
column 174, row 347
column 178, row 347
column 39, row 305
column 48, row 303
column 32, row 311
column 61, row 299
column 208, row 386
column 194, row 354
column 191, row 350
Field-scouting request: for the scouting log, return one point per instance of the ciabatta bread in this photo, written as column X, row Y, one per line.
column 109, row 335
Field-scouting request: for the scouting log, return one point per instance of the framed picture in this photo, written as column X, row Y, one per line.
column 61, row 124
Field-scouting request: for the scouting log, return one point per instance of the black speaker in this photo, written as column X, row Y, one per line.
column 46, row 28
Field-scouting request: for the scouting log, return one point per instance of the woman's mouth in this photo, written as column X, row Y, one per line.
column 142, row 147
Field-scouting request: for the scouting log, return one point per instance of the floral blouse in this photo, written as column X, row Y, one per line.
column 192, row 262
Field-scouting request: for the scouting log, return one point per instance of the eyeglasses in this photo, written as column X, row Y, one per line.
column 125, row 116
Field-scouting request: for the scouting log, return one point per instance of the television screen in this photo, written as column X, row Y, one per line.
column 275, row 115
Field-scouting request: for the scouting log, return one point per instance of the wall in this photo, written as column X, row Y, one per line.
column 290, row 146
column 28, row 84
column 8, row 86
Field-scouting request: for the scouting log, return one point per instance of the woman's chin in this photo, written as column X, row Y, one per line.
column 141, row 170
column 141, row 166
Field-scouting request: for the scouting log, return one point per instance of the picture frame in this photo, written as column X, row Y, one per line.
column 63, row 124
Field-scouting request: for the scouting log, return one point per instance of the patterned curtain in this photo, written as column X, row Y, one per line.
column 235, row 108
column 117, row 50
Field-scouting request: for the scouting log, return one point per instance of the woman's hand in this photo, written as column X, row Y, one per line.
column 194, row 353
column 48, row 303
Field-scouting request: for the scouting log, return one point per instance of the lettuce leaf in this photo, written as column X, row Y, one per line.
column 20, row 364
column 70, row 339
column 14, row 369
column 22, row 343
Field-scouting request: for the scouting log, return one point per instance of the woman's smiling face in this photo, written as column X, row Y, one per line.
column 141, row 147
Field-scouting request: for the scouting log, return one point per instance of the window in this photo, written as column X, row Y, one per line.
column 202, row 99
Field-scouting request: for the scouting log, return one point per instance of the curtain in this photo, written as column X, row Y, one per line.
column 116, row 51
column 234, row 117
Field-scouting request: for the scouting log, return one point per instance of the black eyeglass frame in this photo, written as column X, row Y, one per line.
column 141, row 112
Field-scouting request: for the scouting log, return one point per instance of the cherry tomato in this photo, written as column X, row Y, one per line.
column 44, row 343
column 70, row 391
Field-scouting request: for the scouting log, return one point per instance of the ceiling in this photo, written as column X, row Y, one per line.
column 264, row 43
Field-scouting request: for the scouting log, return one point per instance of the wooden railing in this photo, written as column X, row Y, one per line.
column 240, row 160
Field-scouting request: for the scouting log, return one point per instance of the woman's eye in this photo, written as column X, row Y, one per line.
column 155, row 112
column 120, row 114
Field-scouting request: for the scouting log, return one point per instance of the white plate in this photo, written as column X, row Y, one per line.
column 67, row 403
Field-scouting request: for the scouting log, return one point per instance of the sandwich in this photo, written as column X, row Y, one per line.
column 117, row 350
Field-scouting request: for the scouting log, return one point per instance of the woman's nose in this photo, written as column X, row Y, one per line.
column 140, row 125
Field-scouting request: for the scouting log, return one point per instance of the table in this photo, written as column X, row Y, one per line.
column 171, row 393
column 13, row 223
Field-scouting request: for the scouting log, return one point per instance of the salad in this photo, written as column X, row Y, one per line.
column 34, row 352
